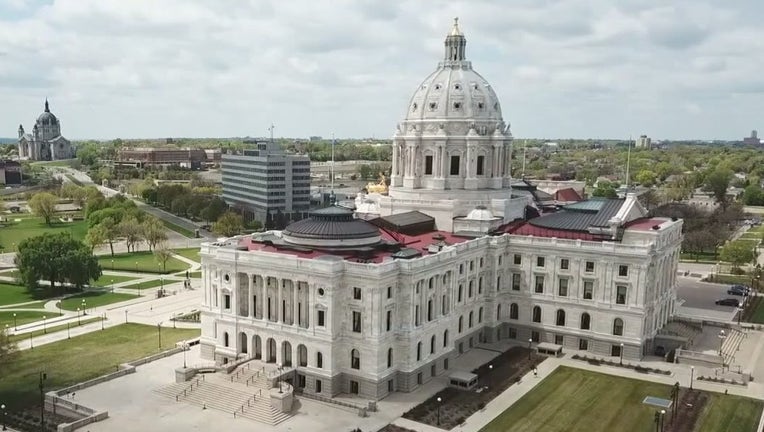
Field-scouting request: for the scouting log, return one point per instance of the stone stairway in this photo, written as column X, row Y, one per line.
column 731, row 345
column 682, row 329
column 242, row 397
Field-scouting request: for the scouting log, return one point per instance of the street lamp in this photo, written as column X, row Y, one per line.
column 740, row 310
column 136, row 266
column 44, row 330
column 84, row 307
column 722, row 336
column 125, row 316
column 621, row 352
column 529, row 348
column 112, row 285
column 112, row 265
column 2, row 407
column 663, row 419
column 185, row 348
column 692, row 375
column 439, row 401
column 15, row 327
column 78, row 317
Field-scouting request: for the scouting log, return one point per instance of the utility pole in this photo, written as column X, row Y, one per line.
column 628, row 163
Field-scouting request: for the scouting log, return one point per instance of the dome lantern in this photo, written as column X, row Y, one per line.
column 456, row 44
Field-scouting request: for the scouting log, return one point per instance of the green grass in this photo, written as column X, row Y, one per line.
column 94, row 299
column 140, row 261
column 574, row 400
column 190, row 253
column 179, row 229
column 54, row 329
column 34, row 305
column 15, row 232
column 81, row 358
column 24, row 317
column 106, row 280
column 11, row 274
column 148, row 284
column 12, row 294
column 730, row 279
column 757, row 314
column 62, row 163
column 196, row 274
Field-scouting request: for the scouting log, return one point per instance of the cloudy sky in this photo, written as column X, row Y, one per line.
column 200, row 68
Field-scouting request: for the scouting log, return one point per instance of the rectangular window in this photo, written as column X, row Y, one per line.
column 321, row 318
column 454, row 165
column 588, row 290
column 318, row 386
column 540, row 284
column 620, row 295
column 389, row 322
column 535, row 337
column 390, row 385
column 583, row 344
column 389, row 292
column 564, row 264
column 480, row 163
column 518, row 259
column 428, row 165
column 540, row 262
column 512, row 333
column 563, row 289
column 356, row 293
column 515, row 281
column 623, row 270
column 356, row 322
column 589, row 266
column 226, row 301
column 558, row 340
column 416, row 315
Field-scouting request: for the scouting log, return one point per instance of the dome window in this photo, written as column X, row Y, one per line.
column 481, row 105
column 437, row 86
column 433, row 106
column 320, row 292
column 414, row 107
column 457, row 86
column 474, row 86
column 457, row 105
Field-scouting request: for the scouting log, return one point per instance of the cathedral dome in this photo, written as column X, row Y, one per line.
column 332, row 227
column 454, row 91
column 47, row 118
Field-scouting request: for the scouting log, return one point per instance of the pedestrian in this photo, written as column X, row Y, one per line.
column 536, row 372
column 725, row 392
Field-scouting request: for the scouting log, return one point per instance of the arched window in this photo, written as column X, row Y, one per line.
column 480, row 315
column 419, row 351
column 429, row 310
column 432, row 344
column 461, row 323
column 445, row 338
column 498, row 311
column 443, row 305
column 537, row 314
column 319, row 360
column 355, row 359
column 586, row 321
column 430, row 283
column 514, row 311
column 225, row 339
column 461, row 293
column 560, row 317
column 470, row 320
column 389, row 357
column 480, row 285
column 469, row 291
column 618, row 327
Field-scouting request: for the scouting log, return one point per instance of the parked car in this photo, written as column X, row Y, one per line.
column 738, row 290
column 728, row 302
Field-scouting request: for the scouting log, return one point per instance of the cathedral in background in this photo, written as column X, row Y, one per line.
column 45, row 143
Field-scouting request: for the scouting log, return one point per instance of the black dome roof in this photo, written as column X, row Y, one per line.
column 332, row 223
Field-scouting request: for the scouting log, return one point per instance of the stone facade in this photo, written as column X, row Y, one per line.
column 45, row 142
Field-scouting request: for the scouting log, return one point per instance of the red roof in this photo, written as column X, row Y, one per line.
column 567, row 195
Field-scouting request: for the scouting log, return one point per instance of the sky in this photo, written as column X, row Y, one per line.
column 684, row 69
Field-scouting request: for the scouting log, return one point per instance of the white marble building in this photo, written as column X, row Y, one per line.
column 45, row 142
column 371, row 307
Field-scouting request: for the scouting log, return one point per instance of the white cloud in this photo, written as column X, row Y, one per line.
column 585, row 68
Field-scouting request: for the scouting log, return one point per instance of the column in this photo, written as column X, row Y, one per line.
column 249, row 296
column 279, row 285
column 295, row 310
column 444, row 162
column 396, row 162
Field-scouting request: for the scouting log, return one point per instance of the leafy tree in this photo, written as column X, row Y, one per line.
column 110, row 232
column 96, row 236
column 132, row 231
column 163, row 254
column 753, row 195
column 43, row 204
column 228, row 225
column 180, row 204
column 8, row 351
column 56, row 258
column 717, row 182
column 214, row 210
column 605, row 189
column 737, row 253
column 153, row 232
column 646, row 177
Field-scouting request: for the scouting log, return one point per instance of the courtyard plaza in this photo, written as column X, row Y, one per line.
column 142, row 389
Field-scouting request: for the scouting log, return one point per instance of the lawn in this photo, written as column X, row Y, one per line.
column 730, row 279
column 57, row 328
column 190, row 253
column 755, row 310
column 24, row 317
column 140, row 261
column 15, row 232
column 81, row 358
column 575, row 400
column 148, row 284
column 11, row 274
column 196, row 274
column 94, row 299
column 12, row 294
column 107, row 280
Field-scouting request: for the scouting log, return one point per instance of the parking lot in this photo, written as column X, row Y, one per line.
column 703, row 295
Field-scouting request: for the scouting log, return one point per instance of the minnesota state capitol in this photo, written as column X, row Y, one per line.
column 379, row 299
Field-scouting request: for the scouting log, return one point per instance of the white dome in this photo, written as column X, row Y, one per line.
column 480, row 213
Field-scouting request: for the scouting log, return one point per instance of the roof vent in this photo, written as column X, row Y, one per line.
column 656, row 227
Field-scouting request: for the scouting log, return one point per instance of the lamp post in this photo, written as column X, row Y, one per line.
column 621, row 352
column 439, row 401
column 722, row 336
column 663, row 419
column 136, row 266
column 15, row 327
column 185, row 348
column 125, row 316
column 68, row 335
column 78, row 317
column 529, row 348
column 2, row 407
column 159, row 334
column 44, row 330
column 112, row 265
column 112, row 285
column 84, row 307
column 692, row 375
column 739, row 313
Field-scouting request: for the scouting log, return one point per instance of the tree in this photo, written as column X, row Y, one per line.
column 153, row 231
column 753, row 195
column 645, row 178
column 737, row 253
column 228, row 225
column 132, row 231
column 214, row 210
column 43, row 204
column 717, row 182
column 605, row 189
column 110, row 232
column 8, row 351
column 163, row 254
column 56, row 258
column 96, row 236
